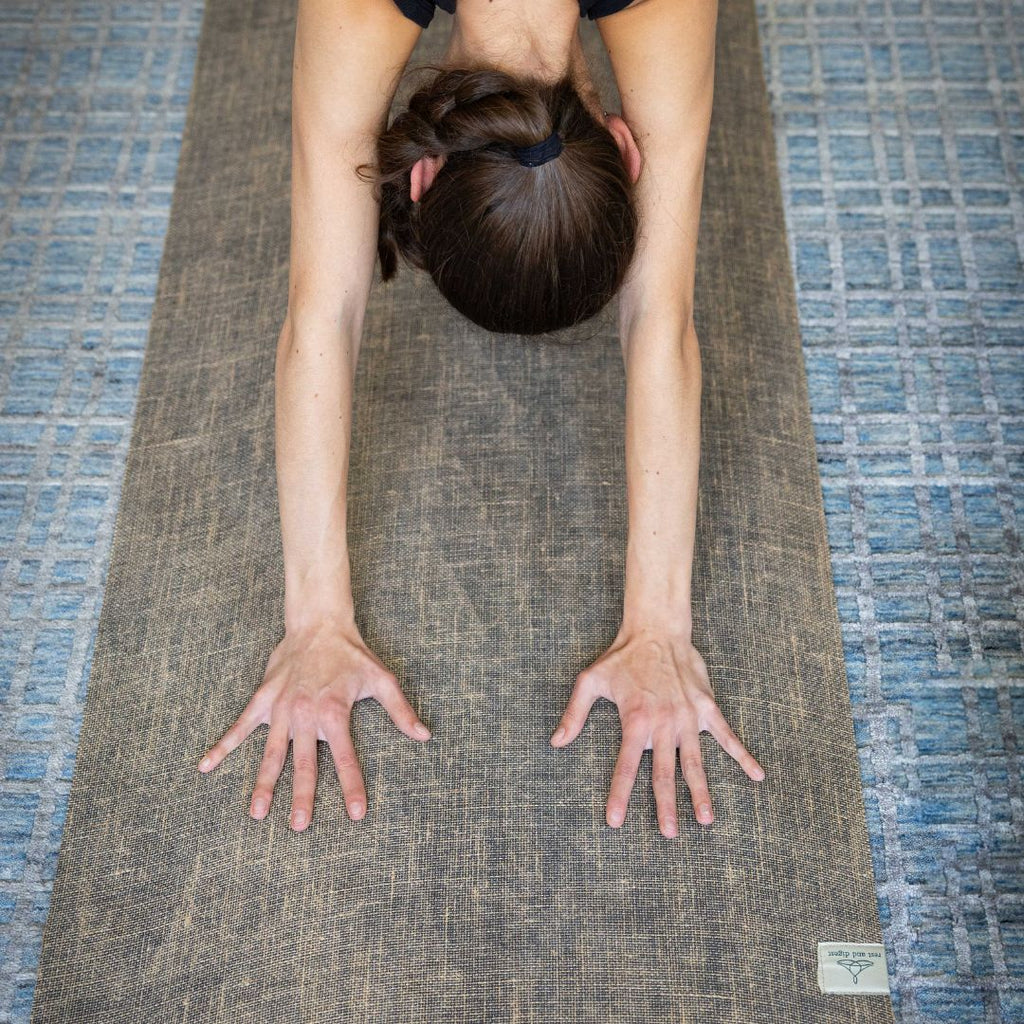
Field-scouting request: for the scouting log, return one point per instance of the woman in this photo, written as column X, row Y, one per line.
column 512, row 112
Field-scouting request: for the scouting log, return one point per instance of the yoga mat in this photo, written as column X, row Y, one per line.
column 487, row 526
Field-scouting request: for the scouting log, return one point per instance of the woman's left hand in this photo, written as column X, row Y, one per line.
column 659, row 682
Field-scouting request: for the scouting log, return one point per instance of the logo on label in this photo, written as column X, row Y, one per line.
column 855, row 966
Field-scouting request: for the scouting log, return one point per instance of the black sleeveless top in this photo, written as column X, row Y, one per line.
column 421, row 11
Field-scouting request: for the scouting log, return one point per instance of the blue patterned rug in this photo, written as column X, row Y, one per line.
column 900, row 135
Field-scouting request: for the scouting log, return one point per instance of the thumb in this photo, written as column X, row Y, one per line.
column 584, row 693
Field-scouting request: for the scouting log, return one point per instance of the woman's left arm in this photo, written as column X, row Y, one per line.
column 662, row 53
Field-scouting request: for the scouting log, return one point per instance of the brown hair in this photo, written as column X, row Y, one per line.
column 516, row 249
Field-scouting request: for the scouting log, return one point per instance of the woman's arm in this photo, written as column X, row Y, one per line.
column 349, row 56
column 348, row 59
column 662, row 53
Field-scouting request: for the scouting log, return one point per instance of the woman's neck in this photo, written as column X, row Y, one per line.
column 540, row 39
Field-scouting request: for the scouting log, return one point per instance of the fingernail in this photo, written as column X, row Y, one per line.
column 356, row 808
column 205, row 763
column 705, row 811
column 258, row 807
column 298, row 819
column 422, row 731
column 615, row 818
column 670, row 825
column 760, row 775
column 559, row 733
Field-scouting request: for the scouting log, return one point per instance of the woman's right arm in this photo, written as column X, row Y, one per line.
column 348, row 58
column 349, row 55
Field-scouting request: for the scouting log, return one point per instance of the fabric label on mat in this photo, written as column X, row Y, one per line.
column 852, row 968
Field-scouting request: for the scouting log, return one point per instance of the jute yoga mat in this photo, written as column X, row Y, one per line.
column 487, row 522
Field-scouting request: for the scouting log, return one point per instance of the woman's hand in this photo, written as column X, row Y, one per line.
column 313, row 678
column 659, row 682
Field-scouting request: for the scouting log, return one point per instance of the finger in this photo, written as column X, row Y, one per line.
column 581, row 700
column 336, row 729
column 401, row 712
column 624, row 775
column 270, row 767
column 303, row 773
column 250, row 717
column 733, row 745
column 693, row 772
column 664, row 782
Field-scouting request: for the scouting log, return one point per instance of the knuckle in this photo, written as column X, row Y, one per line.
column 227, row 736
column 705, row 703
column 258, row 697
column 383, row 676
column 275, row 752
column 711, row 711
column 333, row 703
column 347, row 760
column 304, row 762
column 692, row 764
column 635, row 719
column 302, row 705
column 716, row 716
column 236, row 727
column 636, row 728
column 731, row 736
column 280, row 707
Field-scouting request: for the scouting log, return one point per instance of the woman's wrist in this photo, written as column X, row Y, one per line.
column 310, row 616
column 657, row 586
column 313, row 599
column 665, row 620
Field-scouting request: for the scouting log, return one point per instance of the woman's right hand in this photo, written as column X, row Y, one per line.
column 312, row 679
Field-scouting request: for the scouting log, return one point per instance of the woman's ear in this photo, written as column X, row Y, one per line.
column 422, row 176
column 627, row 144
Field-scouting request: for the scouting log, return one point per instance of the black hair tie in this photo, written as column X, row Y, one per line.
column 541, row 152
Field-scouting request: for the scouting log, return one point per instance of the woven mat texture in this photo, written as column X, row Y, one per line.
column 487, row 530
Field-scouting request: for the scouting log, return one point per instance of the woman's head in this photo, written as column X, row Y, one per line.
column 516, row 249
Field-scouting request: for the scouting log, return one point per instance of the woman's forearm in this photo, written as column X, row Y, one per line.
column 314, row 374
column 663, row 389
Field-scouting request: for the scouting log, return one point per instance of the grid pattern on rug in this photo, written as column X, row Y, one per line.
column 899, row 136
column 93, row 99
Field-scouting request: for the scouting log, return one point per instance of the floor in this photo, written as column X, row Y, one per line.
column 900, row 138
